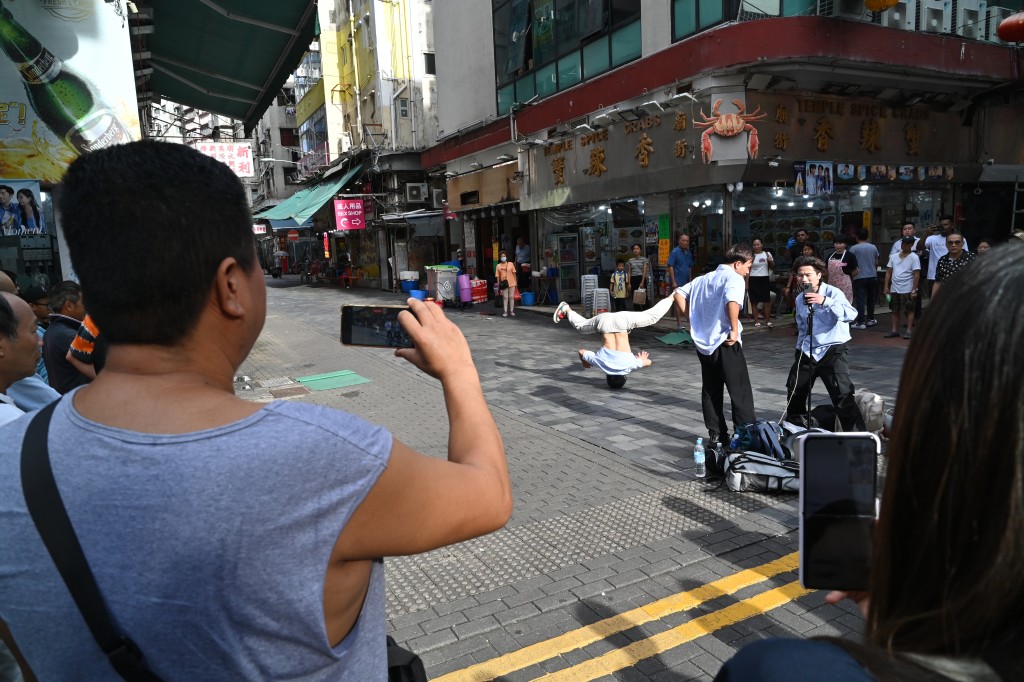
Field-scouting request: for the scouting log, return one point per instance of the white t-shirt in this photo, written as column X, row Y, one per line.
column 903, row 273
column 707, row 297
column 761, row 264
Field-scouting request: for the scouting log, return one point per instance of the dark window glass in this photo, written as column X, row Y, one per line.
column 506, row 96
column 684, row 18
column 547, row 80
column 569, row 70
column 624, row 10
column 709, row 12
column 626, row 44
column 525, row 89
column 429, row 65
column 544, row 49
column 792, row 8
column 502, row 36
column 595, row 57
column 289, row 137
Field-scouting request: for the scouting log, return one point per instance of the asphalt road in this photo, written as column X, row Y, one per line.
column 617, row 563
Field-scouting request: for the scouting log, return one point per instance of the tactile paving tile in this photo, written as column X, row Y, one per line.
column 522, row 552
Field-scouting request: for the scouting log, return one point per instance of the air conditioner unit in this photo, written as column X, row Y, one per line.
column 844, row 9
column 937, row 16
column 437, row 198
column 902, row 15
column 970, row 18
column 995, row 17
column 416, row 192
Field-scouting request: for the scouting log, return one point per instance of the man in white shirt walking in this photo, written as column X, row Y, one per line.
column 714, row 301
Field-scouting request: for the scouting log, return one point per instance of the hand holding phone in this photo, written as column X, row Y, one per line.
column 837, row 508
column 373, row 325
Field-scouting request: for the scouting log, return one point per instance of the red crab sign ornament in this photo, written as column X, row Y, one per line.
column 729, row 125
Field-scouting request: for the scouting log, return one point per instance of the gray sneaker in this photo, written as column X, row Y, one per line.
column 560, row 312
column 858, row 326
column 872, row 323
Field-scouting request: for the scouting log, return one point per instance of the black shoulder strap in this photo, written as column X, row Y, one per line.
column 51, row 519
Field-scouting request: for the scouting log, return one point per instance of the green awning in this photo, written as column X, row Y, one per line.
column 283, row 211
column 229, row 57
column 303, row 204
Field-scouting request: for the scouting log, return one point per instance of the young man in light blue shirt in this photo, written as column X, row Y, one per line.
column 714, row 301
column 823, row 317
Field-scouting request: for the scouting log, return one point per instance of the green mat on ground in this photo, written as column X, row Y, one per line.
column 676, row 338
column 324, row 382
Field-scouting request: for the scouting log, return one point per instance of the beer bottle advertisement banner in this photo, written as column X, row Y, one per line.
column 67, row 84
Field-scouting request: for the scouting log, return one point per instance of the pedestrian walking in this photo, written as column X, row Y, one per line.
column 505, row 273
column 639, row 267
column 760, row 283
column 865, row 282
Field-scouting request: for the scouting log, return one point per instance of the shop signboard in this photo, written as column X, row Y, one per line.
column 349, row 214
column 66, row 87
column 694, row 145
column 23, row 213
column 235, row 155
column 259, row 228
column 327, row 245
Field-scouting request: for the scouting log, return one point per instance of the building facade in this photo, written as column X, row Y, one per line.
column 594, row 125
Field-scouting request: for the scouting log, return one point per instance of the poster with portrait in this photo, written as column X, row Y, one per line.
column 813, row 178
column 21, row 208
column 845, row 171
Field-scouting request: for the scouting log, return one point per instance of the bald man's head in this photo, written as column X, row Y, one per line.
column 6, row 285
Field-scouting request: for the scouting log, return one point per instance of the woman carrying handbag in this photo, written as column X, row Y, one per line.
column 505, row 273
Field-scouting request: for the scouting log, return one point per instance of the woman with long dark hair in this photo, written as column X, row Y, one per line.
column 31, row 218
column 945, row 597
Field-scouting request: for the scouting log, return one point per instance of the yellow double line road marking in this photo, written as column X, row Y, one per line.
column 630, row 655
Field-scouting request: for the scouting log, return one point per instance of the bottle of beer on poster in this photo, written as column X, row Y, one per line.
column 64, row 101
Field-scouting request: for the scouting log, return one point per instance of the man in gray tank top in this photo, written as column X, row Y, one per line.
column 221, row 558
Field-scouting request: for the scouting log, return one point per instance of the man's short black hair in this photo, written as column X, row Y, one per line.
column 945, row 216
column 739, row 253
column 8, row 320
column 841, row 239
column 811, row 261
column 615, row 380
column 67, row 291
column 10, row 190
column 186, row 210
column 862, row 234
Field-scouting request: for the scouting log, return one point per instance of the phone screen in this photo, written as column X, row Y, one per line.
column 837, row 509
column 373, row 325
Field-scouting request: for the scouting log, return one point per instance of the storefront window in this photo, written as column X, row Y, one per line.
column 525, row 88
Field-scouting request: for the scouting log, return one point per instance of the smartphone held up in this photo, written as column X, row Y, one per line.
column 838, row 508
column 374, row 325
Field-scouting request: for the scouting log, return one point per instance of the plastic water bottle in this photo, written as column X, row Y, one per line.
column 698, row 459
column 734, row 443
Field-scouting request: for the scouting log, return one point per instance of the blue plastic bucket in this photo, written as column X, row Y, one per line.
column 409, row 284
column 527, row 297
column 421, row 294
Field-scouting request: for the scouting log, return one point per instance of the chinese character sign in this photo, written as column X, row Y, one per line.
column 348, row 214
column 236, row 155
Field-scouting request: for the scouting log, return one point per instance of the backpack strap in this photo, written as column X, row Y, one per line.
column 51, row 520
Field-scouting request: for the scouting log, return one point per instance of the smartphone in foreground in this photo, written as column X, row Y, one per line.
column 373, row 325
column 837, row 508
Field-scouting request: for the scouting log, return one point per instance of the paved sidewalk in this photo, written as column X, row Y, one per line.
column 608, row 516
